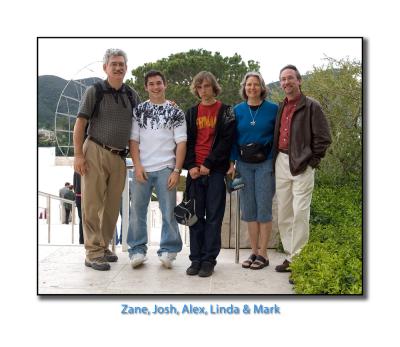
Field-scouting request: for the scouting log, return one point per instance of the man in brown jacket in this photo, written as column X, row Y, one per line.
column 301, row 139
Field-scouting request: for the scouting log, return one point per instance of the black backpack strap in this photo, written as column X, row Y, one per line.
column 129, row 94
column 101, row 89
column 190, row 191
column 99, row 96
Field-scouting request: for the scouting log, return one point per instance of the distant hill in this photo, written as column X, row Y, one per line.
column 274, row 85
column 49, row 91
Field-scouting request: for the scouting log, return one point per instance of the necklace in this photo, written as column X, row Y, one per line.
column 253, row 122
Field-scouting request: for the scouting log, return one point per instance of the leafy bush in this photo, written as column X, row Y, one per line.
column 341, row 235
column 331, row 262
column 336, row 206
column 327, row 268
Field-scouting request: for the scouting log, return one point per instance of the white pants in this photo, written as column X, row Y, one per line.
column 293, row 195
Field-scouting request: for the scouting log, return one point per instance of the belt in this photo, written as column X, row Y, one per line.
column 284, row 151
column 121, row 152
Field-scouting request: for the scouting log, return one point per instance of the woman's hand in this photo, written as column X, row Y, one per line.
column 231, row 170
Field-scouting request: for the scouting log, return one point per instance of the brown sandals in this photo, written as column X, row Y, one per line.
column 259, row 263
column 247, row 263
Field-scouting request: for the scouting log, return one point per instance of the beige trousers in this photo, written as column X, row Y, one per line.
column 293, row 194
column 101, row 188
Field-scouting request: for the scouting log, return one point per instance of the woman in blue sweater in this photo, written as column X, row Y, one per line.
column 255, row 122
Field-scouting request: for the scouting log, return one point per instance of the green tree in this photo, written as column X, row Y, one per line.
column 337, row 86
column 180, row 68
column 46, row 138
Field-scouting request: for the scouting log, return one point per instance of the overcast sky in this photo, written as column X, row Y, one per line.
column 64, row 57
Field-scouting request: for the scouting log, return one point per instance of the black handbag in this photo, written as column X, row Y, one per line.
column 255, row 152
column 185, row 212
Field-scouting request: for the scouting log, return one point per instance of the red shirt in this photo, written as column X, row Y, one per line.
column 206, row 121
column 286, row 120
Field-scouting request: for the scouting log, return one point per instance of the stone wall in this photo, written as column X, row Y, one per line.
column 64, row 161
column 228, row 226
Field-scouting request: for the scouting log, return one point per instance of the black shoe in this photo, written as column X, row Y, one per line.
column 193, row 269
column 110, row 256
column 207, row 268
column 284, row 267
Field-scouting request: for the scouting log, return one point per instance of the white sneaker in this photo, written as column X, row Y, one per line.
column 137, row 259
column 167, row 259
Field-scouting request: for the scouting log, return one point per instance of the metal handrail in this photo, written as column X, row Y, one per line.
column 48, row 204
column 237, row 228
column 126, row 213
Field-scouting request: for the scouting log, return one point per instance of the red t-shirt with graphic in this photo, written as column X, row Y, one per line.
column 206, row 121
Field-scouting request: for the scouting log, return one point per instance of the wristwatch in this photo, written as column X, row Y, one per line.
column 177, row 170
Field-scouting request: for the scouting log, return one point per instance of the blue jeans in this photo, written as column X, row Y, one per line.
column 205, row 235
column 258, row 192
column 171, row 241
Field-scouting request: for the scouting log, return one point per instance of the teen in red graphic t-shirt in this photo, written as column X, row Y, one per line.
column 210, row 127
column 206, row 120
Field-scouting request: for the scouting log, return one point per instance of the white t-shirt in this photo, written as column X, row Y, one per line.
column 158, row 128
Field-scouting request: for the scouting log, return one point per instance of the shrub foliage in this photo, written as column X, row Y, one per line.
column 331, row 262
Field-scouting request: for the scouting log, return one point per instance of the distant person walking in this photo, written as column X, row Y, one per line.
column 301, row 139
column 61, row 194
column 70, row 195
column 100, row 159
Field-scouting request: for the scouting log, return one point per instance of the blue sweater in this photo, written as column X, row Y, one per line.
column 262, row 132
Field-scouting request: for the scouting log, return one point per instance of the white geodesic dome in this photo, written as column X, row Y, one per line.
column 68, row 103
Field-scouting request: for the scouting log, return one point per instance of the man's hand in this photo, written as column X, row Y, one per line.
column 80, row 165
column 173, row 180
column 194, row 172
column 204, row 171
column 140, row 174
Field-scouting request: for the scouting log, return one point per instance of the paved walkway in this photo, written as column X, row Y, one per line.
column 62, row 271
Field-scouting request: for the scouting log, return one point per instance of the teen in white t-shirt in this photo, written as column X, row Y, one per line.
column 158, row 128
column 158, row 149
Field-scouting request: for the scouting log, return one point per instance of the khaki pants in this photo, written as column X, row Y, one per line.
column 293, row 194
column 101, row 188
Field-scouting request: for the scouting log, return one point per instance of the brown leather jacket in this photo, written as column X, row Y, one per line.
column 309, row 135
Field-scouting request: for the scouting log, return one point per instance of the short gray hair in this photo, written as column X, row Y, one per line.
column 114, row 52
column 264, row 88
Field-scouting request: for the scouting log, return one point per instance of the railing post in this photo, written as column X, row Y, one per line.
column 237, row 228
column 230, row 220
column 73, row 220
column 48, row 219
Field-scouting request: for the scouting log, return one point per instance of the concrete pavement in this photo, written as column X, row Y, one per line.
column 61, row 270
